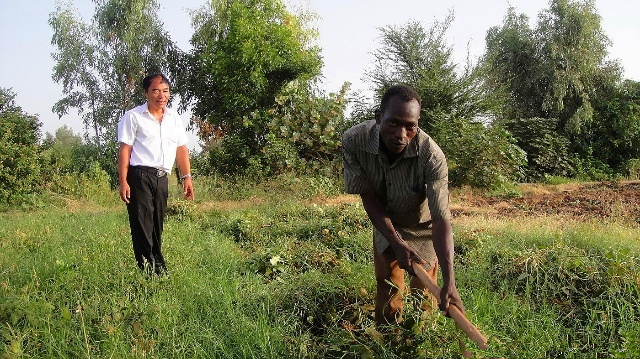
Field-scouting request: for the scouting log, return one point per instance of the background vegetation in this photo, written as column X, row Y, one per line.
column 543, row 101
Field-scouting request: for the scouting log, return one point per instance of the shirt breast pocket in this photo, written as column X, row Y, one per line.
column 410, row 204
column 173, row 136
column 148, row 135
column 414, row 196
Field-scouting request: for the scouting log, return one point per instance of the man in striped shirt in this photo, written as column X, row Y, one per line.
column 401, row 176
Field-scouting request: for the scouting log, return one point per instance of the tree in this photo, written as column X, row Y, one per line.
column 616, row 125
column 554, row 70
column 19, row 152
column 422, row 59
column 244, row 52
column 480, row 156
column 574, row 49
column 547, row 150
column 455, row 105
column 308, row 125
column 59, row 149
column 101, row 65
column 512, row 67
column 552, row 74
column 67, row 153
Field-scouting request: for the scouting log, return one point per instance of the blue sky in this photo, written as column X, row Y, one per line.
column 348, row 34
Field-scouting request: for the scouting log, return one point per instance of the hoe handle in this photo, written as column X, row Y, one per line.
column 472, row 332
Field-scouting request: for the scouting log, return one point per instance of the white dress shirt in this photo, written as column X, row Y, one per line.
column 154, row 143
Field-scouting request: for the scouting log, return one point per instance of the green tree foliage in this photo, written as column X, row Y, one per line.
column 73, row 167
column 454, row 104
column 421, row 58
column 100, row 65
column 573, row 48
column 20, row 166
column 547, row 151
column 309, row 124
column 244, row 52
column 554, row 75
column 480, row 156
column 512, row 64
column 554, row 70
column 304, row 134
column 67, row 153
column 616, row 127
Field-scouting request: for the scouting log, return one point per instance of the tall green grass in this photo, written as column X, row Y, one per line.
column 284, row 270
column 583, row 277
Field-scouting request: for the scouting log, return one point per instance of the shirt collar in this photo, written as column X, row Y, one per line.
column 144, row 108
column 373, row 143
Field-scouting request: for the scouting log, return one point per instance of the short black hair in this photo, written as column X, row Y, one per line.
column 405, row 92
column 146, row 82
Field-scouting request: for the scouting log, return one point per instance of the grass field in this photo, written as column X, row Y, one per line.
column 283, row 270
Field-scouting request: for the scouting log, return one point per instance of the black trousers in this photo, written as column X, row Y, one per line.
column 146, row 208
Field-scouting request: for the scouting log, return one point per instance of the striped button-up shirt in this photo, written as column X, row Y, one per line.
column 413, row 189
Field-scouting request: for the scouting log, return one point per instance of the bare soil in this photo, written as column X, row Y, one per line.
column 619, row 201
column 586, row 201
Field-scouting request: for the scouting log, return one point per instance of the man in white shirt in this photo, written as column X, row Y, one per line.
column 151, row 138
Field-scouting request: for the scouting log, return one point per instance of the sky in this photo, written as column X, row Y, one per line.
column 348, row 35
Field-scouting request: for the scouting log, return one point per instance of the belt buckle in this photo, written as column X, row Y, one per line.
column 160, row 173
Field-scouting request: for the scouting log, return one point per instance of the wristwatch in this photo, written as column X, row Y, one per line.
column 188, row 175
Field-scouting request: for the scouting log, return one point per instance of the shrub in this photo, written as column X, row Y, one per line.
column 20, row 164
column 479, row 156
column 547, row 151
column 305, row 130
column 633, row 169
column 93, row 185
column 589, row 168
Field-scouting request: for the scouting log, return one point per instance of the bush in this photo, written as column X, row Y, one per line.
column 67, row 153
column 303, row 134
column 547, row 151
column 93, row 185
column 304, row 131
column 633, row 169
column 590, row 168
column 479, row 156
column 20, row 161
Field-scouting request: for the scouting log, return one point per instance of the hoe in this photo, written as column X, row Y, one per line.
column 461, row 321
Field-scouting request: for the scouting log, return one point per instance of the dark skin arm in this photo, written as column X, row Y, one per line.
column 443, row 244
column 380, row 219
column 406, row 256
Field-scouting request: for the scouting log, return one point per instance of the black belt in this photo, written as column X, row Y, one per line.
column 154, row 171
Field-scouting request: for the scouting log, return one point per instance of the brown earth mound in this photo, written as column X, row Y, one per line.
column 605, row 200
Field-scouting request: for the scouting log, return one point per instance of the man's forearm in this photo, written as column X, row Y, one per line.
column 124, row 155
column 184, row 164
column 379, row 218
column 443, row 245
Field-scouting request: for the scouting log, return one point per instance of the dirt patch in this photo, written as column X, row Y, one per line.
column 606, row 200
column 586, row 201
